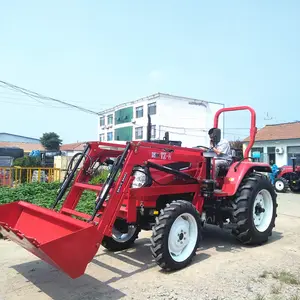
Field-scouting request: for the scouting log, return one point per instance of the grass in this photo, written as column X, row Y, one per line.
column 260, row 297
column 276, row 297
column 275, row 289
column 286, row 277
column 283, row 276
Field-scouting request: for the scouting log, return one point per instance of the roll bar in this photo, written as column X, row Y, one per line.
column 253, row 129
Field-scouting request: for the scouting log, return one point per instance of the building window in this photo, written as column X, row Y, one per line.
column 139, row 132
column 109, row 136
column 102, row 121
column 101, row 137
column 139, row 112
column 152, row 108
column 110, row 119
column 124, row 115
column 123, row 134
column 153, row 131
column 293, row 151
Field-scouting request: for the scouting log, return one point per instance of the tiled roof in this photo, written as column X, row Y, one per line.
column 27, row 147
column 283, row 131
column 72, row 147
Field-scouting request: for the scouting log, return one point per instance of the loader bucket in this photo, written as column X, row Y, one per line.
column 61, row 241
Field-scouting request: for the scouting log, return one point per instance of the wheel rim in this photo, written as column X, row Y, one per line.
column 121, row 237
column 279, row 185
column 182, row 237
column 262, row 210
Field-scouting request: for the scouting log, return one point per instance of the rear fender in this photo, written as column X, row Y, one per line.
column 237, row 172
column 284, row 172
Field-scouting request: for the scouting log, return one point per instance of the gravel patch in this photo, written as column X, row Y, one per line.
column 222, row 269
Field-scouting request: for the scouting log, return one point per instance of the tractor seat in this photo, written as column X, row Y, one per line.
column 223, row 170
column 234, row 156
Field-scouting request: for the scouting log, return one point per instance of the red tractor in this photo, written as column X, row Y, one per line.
column 151, row 186
column 287, row 177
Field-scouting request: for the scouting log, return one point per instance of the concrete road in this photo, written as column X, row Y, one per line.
column 222, row 269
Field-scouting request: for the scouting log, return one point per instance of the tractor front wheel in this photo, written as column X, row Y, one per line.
column 123, row 236
column 255, row 209
column 176, row 235
column 281, row 185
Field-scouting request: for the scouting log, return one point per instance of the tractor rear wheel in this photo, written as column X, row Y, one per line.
column 281, row 185
column 176, row 235
column 255, row 209
column 295, row 188
column 123, row 236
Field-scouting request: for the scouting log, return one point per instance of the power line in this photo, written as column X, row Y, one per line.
column 38, row 97
column 22, row 97
column 30, row 104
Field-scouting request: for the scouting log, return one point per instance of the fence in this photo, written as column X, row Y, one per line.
column 12, row 176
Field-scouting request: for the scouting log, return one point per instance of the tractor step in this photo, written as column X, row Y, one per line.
column 220, row 193
column 65, row 243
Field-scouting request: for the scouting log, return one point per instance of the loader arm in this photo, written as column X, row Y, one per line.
column 53, row 234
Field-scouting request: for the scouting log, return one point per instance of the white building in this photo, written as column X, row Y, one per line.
column 186, row 120
column 277, row 143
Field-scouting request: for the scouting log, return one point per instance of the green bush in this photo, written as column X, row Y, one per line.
column 99, row 177
column 27, row 161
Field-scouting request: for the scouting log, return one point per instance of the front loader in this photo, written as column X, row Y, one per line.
column 165, row 188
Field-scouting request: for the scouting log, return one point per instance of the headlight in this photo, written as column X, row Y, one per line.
column 141, row 179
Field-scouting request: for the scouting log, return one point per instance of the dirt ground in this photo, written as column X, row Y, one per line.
column 222, row 269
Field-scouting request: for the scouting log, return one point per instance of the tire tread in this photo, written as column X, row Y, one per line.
column 243, row 201
column 160, row 230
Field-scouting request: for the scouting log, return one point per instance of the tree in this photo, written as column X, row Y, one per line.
column 236, row 145
column 51, row 141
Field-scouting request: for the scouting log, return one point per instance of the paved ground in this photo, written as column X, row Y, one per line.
column 222, row 269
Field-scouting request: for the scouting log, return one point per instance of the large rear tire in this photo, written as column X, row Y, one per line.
column 123, row 236
column 255, row 210
column 176, row 235
column 281, row 185
column 295, row 188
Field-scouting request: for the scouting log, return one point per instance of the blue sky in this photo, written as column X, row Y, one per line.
column 101, row 53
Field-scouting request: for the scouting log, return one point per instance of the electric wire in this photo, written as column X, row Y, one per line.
column 39, row 97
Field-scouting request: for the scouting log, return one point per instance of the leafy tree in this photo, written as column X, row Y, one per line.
column 51, row 141
column 238, row 147
column 236, row 144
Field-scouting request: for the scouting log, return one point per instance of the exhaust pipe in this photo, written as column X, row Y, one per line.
column 149, row 129
column 294, row 163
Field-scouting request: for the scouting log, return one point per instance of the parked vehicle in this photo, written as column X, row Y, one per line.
column 287, row 177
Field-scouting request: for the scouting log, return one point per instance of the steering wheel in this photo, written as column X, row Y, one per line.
column 202, row 147
column 210, row 153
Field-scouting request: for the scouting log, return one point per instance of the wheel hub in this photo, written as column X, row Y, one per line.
column 122, row 235
column 182, row 237
column 259, row 209
column 262, row 210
